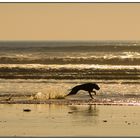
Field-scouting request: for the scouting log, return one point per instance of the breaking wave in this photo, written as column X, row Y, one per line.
column 106, row 59
column 69, row 71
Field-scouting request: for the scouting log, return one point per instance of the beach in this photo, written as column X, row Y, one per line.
column 35, row 78
column 69, row 120
column 26, row 110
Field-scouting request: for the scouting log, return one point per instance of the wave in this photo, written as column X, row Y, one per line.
column 121, row 60
column 69, row 71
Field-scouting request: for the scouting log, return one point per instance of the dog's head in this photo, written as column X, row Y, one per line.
column 96, row 86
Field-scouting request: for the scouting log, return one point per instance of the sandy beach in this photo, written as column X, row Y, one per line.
column 26, row 111
column 44, row 120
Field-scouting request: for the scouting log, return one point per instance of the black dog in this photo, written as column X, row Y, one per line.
column 87, row 87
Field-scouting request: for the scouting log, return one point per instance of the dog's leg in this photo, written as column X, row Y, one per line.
column 94, row 92
column 90, row 95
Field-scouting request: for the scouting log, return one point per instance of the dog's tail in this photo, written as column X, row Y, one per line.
column 73, row 91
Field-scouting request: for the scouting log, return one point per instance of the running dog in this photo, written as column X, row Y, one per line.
column 87, row 87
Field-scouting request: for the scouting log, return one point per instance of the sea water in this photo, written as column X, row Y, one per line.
column 54, row 67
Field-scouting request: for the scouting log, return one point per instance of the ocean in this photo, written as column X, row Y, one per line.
column 31, row 67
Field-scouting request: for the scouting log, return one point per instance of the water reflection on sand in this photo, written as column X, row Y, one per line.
column 85, row 115
column 69, row 120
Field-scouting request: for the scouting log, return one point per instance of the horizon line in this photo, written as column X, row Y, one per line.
column 68, row 40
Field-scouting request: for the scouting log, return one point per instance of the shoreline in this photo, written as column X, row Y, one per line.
column 71, row 102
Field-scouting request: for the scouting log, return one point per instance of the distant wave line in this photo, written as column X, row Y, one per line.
column 70, row 66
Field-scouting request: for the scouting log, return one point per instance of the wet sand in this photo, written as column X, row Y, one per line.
column 51, row 120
